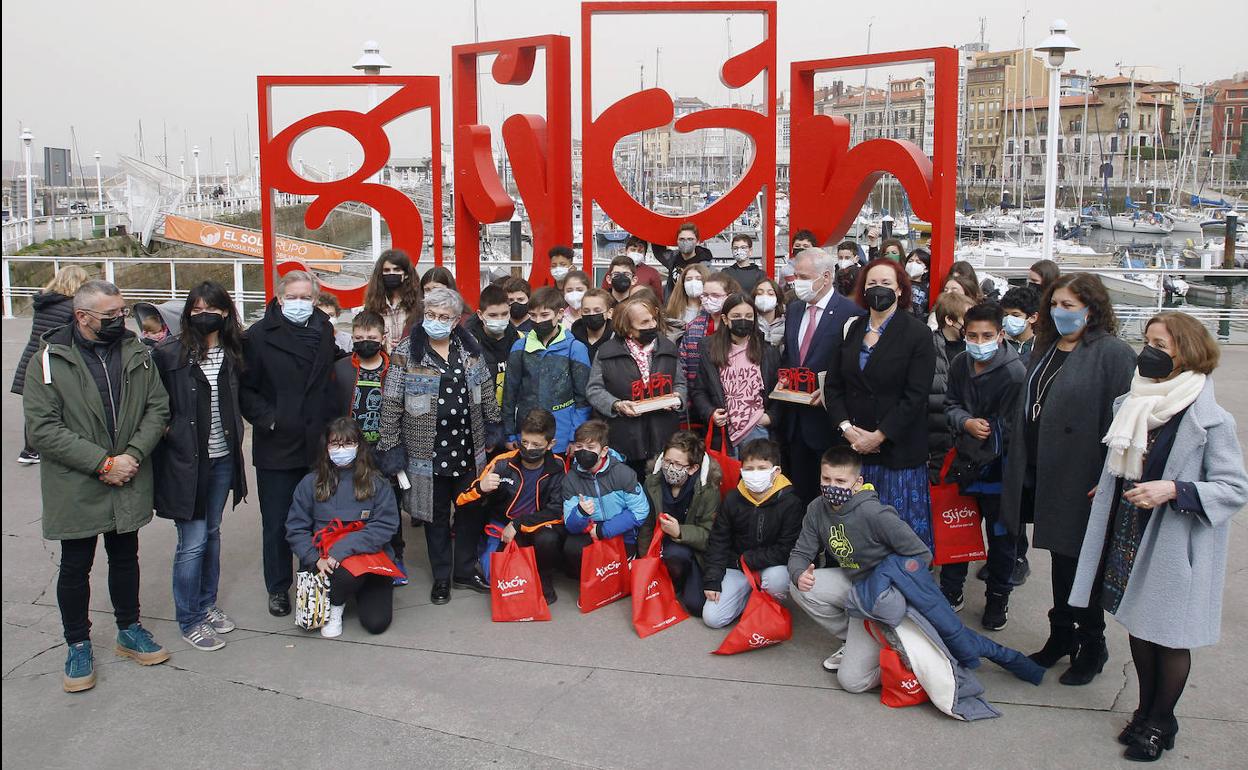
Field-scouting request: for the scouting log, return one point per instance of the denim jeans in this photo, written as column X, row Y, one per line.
column 197, row 560
column 758, row 431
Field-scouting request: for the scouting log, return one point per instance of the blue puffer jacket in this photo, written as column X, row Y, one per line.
column 620, row 505
column 551, row 377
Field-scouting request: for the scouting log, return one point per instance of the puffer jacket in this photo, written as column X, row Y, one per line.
column 939, row 435
column 620, row 505
column 500, row 504
column 52, row 309
column 762, row 528
column 704, row 506
column 551, row 377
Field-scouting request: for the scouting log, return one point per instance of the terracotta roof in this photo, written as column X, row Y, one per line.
column 1042, row 102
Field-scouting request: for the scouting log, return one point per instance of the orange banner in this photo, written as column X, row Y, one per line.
column 249, row 243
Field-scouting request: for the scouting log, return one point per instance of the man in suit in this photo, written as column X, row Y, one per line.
column 814, row 326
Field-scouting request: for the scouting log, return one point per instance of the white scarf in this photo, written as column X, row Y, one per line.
column 1149, row 405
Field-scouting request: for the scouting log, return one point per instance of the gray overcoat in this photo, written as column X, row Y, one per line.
column 1174, row 594
column 1077, row 413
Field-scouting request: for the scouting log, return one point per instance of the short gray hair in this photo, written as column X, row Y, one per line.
column 823, row 261
column 84, row 298
column 298, row 276
column 445, row 298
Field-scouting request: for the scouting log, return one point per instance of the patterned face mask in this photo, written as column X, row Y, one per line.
column 674, row 474
column 836, row 496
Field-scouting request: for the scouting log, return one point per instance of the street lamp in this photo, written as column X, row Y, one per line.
column 99, row 181
column 195, row 152
column 1056, row 45
column 27, row 138
column 371, row 64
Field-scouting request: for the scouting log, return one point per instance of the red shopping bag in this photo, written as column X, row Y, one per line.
column 372, row 563
column 764, row 621
column 899, row 687
column 325, row 537
column 515, row 586
column 655, row 606
column 956, row 529
column 730, row 466
column 604, row 573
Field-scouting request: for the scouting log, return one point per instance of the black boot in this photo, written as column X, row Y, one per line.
column 1148, row 743
column 1086, row 663
column 1061, row 643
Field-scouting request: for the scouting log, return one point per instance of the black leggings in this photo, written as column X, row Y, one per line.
column 374, row 597
column 1162, row 672
column 547, row 544
column 73, row 584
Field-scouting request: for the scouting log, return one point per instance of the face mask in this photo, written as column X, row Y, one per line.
column 713, row 305
column 1034, row 285
column 621, row 281
column 594, row 321
column 1068, row 321
column 765, row 303
column 1013, row 325
column 531, row 455
column 392, row 281
column 496, row 326
column 981, row 351
column 844, row 263
column 1154, row 363
column 297, row 311
column 741, row 255
column 342, row 456
column 559, row 273
column 207, row 323
column 686, row 247
column 573, row 298
column 586, row 458
column 437, row 330
column 915, row 269
column 366, row 348
column 646, row 336
column 836, row 496
column 674, row 474
column 757, row 481
column 693, row 289
column 519, row 310
column 637, row 256
column 741, row 327
column 543, row 328
column 880, row 298
column 111, row 330
column 893, row 256
column 804, row 289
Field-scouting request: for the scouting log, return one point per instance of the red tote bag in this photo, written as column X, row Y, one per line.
column 730, row 466
column 899, row 687
column 764, row 621
column 655, row 606
column 604, row 573
column 956, row 529
column 515, row 587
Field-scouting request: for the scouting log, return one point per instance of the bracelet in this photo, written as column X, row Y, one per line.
column 108, row 465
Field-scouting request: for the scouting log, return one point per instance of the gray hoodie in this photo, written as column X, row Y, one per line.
column 856, row 537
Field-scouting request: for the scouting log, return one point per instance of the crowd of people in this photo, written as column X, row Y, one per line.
column 533, row 416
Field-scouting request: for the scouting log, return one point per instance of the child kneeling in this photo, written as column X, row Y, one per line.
column 601, row 497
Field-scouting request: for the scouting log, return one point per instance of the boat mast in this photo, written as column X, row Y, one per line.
column 862, row 112
column 1083, row 143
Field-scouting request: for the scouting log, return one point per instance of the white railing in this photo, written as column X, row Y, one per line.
column 18, row 233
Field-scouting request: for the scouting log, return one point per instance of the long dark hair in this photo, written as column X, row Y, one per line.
column 345, row 430
column 719, row 345
column 230, row 337
column 376, row 298
column 1089, row 290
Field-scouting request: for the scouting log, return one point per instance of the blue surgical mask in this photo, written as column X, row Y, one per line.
column 297, row 311
column 981, row 351
column 1013, row 325
column 1068, row 321
column 342, row 456
column 437, row 330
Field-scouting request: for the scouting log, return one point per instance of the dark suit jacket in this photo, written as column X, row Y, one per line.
column 890, row 394
column 810, row 424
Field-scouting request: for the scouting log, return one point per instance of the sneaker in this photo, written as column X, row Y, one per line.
column 400, row 581
column 1021, row 570
column 401, row 578
column 79, row 668
column 996, row 612
column 333, row 624
column 956, row 601
column 220, row 622
column 833, row 661
column 31, row 457
column 137, row 642
column 201, row 637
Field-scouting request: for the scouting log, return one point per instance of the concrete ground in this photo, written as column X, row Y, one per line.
column 446, row 687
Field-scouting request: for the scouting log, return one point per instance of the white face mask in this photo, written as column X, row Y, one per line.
column 741, row 254
column 765, row 303
column 637, row 256
column 758, row 481
column 496, row 326
column 693, row 289
column 573, row 298
column 559, row 273
column 844, row 263
column 915, row 269
column 804, row 289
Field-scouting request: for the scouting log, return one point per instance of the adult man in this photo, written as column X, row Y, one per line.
column 95, row 410
column 814, row 328
column 687, row 252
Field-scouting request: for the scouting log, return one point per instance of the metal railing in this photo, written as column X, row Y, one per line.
column 18, row 233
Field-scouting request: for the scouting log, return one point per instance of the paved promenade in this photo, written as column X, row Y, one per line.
column 444, row 687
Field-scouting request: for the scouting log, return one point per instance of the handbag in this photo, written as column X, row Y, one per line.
column 956, row 530
column 604, row 573
column 311, row 600
column 516, row 588
column 655, row 606
column 899, row 687
column 728, row 465
column 764, row 621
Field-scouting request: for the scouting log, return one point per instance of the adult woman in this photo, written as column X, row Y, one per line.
column 769, row 312
column 877, row 390
column 738, row 372
column 394, row 294
column 918, row 267
column 346, row 486
column 200, row 460
column 684, row 302
column 1043, row 273
column 439, row 416
column 715, row 291
column 1157, row 535
column 53, row 307
column 891, row 248
column 637, row 352
column 1077, row 369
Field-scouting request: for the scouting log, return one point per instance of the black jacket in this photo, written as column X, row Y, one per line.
column 675, row 264
column 747, row 276
column 51, row 310
column 287, row 393
column 637, row 438
column 181, row 463
column 991, row 394
column 707, row 393
column 581, row 333
column 810, row 423
column 890, row 394
column 763, row 533
column 939, row 436
column 499, row 504
column 494, row 351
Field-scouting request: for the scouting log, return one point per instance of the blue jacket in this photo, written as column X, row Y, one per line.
column 551, row 377
column 620, row 504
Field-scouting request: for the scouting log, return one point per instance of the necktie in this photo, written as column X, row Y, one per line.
column 811, row 322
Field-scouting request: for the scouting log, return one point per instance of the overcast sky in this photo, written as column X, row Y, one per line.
column 104, row 67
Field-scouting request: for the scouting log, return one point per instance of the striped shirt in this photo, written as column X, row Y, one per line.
column 211, row 367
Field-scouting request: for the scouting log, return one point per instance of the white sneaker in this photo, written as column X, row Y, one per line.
column 333, row 624
column 833, row 661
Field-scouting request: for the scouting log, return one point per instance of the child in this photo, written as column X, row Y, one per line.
column 491, row 326
column 328, row 304
column 635, row 249
column 621, row 275
column 524, row 488
column 361, row 380
column 153, row 325
column 575, row 286
column 594, row 326
column 744, row 270
column 760, row 520
column 518, row 293
column 849, row 525
column 984, row 383
column 1022, row 306
column 347, row 486
column 948, row 313
column 560, row 263
column 601, row 497
column 549, row 369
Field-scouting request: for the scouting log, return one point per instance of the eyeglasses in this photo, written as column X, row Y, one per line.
column 443, row 318
column 122, row 313
column 342, row 445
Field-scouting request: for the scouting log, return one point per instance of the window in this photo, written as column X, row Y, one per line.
column 1044, row 143
column 912, row 132
column 1026, row 146
column 1060, row 142
column 1078, row 144
column 1113, row 144
column 1009, row 147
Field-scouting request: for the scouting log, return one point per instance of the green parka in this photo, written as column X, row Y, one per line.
column 702, row 509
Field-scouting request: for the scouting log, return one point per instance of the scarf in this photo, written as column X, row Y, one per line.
column 640, row 355
column 1148, row 406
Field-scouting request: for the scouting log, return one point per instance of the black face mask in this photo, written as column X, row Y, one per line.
column 531, row 455
column 594, row 321
column 646, row 336
column 366, row 348
column 586, row 459
column 1154, row 363
column 207, row 323
column 392, row 281
column 543, row 328
column 880, row 298
column 111, row 330
column 519, row 310
column 740, row 327
column 621, row 281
